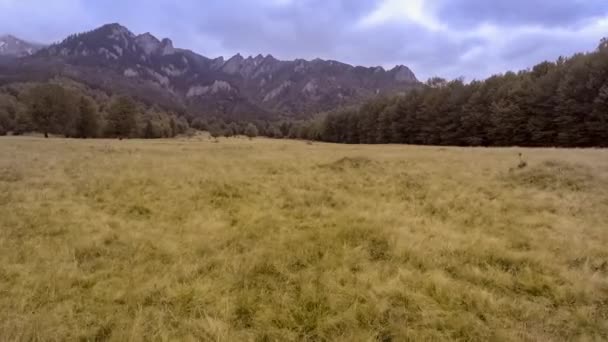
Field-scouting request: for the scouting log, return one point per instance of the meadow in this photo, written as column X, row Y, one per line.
column 277, row 240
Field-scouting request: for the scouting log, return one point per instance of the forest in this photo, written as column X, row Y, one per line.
column 562, row 103
column 64, row 107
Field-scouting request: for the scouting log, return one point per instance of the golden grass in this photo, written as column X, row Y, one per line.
column 268, row 240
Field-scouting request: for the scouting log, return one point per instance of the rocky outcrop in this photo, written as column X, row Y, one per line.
column 216, row 87
column 148, row 43
column 403, row 74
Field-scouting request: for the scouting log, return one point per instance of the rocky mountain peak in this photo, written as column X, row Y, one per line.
column 233, row 65
column 108, row 43
column 116, row 29
column 166, row 47
column 148, row 42
column 114, row 32
column 237, row 57
column 217, row 63
column 403, row 74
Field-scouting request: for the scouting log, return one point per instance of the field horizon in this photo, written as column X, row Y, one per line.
column 286, row 240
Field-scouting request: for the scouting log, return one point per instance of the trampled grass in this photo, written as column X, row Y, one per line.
column 269, row 240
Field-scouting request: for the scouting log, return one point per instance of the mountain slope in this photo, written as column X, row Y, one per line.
column 14, row 47
column 254, row 87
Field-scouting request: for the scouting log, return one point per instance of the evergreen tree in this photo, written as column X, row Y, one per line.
column 473, row 123
column 352, row 134
column 273, row 131
column 572, row 108
column 597, row 122
column 384, row 127
column 449, row 121
column 541, row 127
column 6, row 123
column 87, row 125
column 173, row 127
column 121, row 118
column 150, row 131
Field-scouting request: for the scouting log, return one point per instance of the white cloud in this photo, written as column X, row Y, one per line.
column 414, row 11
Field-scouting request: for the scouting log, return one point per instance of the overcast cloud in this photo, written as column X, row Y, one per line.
column 449, row 38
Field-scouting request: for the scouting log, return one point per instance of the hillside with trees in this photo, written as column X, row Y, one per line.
column 562, row 103
column 71, row 109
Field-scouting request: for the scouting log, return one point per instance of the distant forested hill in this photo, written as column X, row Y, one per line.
column 561, row 103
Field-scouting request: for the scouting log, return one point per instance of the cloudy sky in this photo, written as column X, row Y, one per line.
column 449, row 38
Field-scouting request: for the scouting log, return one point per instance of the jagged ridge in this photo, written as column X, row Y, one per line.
column 236, row 87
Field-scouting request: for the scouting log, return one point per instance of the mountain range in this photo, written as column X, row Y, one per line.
column 114, row 59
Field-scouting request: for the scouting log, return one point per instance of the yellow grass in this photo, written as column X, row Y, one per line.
column 287, row 241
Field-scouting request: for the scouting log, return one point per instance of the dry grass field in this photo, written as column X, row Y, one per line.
column 273, row 240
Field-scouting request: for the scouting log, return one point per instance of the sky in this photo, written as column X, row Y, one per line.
column 448, row 38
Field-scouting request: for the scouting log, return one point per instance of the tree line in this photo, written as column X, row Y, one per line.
column 217, row 127
column 562, row 103
column 70, row 109
column 52, row 108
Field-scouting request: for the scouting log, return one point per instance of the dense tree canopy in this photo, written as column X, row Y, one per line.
column 121, row 118
column 564, row 103
column 70, row 109
column 87, row 125
column 52, row 109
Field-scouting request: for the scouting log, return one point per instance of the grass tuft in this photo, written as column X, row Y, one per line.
column 349, row 163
